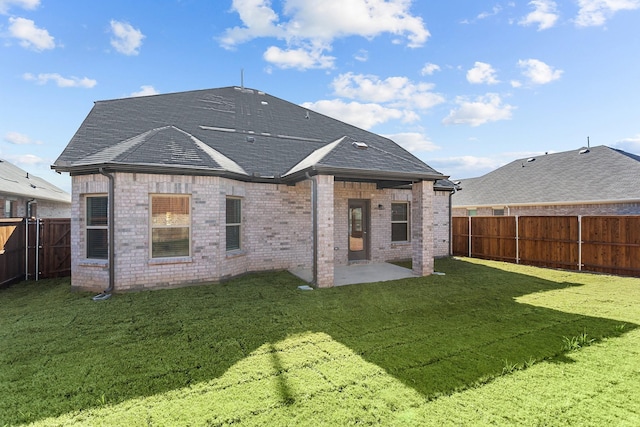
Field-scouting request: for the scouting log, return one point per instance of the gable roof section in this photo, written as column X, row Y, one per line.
column 600, row 175
column 236, row 132
column 19, row 183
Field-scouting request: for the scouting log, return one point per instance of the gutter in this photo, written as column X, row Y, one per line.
column 106, row 294
column 314, row 225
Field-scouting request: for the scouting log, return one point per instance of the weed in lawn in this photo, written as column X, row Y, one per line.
column 509, row 367
column 577, row 342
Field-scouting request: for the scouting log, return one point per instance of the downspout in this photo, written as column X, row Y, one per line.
column 106, row 294
column 451, row 193
column 26, row 238
column 314, row 223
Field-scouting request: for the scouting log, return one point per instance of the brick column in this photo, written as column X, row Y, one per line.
column 422, row 228
column 324, row 236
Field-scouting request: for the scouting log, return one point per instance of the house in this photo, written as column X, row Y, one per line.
column 25, row 195
column 588, row 181
column 200, row 186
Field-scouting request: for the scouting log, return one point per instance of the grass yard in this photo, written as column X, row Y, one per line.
column 488, row 343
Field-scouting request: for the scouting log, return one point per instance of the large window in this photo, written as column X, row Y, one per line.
column 399, row 222
column 97, row 235
column 170, row 226
column 234, row 223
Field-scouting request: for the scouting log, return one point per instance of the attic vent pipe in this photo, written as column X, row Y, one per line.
column 585, row 151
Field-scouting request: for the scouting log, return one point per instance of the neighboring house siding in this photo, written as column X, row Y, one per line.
column 42, row 208
column 441, row 221
column 559, row 210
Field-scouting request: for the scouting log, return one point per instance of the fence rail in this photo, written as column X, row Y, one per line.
column 34, row 249
column 605, row 244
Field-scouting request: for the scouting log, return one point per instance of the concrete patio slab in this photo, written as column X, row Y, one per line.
column 360, row 273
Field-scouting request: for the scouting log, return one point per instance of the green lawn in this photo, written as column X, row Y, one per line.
column 487, row 343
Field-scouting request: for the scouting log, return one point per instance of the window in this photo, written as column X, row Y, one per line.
column 9, row 208
column 399, row 222
column 234, row 222
column 498, row 212
column 472, row 212
column 170, row 226
column 97, row 241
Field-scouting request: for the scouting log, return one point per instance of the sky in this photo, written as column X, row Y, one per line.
column 466, row 86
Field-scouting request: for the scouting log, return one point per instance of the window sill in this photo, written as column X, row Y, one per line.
column 170, row 260
column 94, row 263
column 404, row 243
column 236, row 253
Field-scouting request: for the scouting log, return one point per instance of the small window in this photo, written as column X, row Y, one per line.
column 234, row 223
column 472, row 212
column 9, row 208
column 97, row 241
column 498, row 212
column 399, row 222
column 170, row 226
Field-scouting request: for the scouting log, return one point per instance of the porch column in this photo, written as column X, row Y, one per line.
column 422, row 228
column 324, row 231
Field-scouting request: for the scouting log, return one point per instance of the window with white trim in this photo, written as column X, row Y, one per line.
column 170, row 225
column 97, row 236
column 400, row 222
column 234, row 223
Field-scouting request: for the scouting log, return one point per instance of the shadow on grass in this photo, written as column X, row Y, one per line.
column 63, row 352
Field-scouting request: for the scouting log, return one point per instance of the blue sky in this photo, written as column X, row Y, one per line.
column 466, row 86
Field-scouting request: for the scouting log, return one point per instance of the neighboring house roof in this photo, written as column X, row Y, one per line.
column 235, row 132
column 595, row 175
column 19, row 183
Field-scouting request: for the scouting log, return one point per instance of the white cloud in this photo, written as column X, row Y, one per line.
column 429, row 69
column 362, row 55
column 27, row 159
column 494, row 11
column 594, row 13
column 30, row 36
column 413, row 141
column 127, row 40
column 484, row 109
column 5, row 5
column 145, row 90
column 18, row 138
column 538, row 72
column 398, row 92
column 482, row 73
column 361, row 115
column 544, row 14
column 44, row 78
column 461, row 167
column 630, row 145
column 308, row 25
column 298, row 58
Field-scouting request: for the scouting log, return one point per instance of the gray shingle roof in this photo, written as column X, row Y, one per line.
column 233, row 131
column 599, row 175
column 17, row 182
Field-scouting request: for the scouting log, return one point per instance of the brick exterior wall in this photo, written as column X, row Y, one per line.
column 560, row 210
column 422, row 227
column 441, row 224
column 276, row 231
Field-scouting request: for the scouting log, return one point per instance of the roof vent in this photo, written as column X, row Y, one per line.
column 360, row 145
column 306, row 116
column 251, row 139
column 531, row 159
column 585, row 151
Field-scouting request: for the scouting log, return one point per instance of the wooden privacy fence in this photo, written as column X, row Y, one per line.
column 604, row 244
column 34, row 249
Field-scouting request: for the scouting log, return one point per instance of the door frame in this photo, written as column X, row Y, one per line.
column 363, row 254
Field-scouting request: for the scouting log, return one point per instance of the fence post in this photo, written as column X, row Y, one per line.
column 579, row 242
column 517, row 242
column 37, row 258
column 469, row 237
